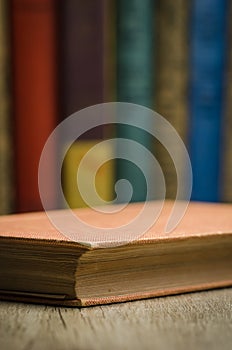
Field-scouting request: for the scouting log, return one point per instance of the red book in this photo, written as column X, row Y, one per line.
column 34, row 88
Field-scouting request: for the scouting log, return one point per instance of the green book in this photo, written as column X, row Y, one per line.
column 171, row 95
column 135, row 77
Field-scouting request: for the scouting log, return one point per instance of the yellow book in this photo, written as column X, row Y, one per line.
column 79, row 169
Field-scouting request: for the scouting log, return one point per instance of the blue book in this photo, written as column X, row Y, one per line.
column 207, row 69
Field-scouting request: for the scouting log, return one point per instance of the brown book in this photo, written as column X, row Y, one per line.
column 87, row 77
column 40, row 264
column 6, row 149
column 171, row 98
column 226, row 170
column 82, row 48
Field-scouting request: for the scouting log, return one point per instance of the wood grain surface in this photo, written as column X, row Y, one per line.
column 190, row 321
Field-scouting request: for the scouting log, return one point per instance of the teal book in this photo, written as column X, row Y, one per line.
column 135, row 77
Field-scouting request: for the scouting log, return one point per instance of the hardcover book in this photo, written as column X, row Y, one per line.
column 6, row 142
column 104, row 176
column 40, row 264
column 226, row 169
column 135, row 63
column 87, row 77
column 171, row 98
column 208, row 47
column 82, row 58
column 34, row 51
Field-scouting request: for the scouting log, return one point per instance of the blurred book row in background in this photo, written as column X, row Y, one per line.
column 58, row 57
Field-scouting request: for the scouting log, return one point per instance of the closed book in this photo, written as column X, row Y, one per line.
column 109, row 50
column 34, row 58
column 171, row 62
column 6, row 140
column 41, row 264
column 135, row 77
column 82, row 56
column 95, row 174
column 87, row 77
column 226, row 152
column 208, row 47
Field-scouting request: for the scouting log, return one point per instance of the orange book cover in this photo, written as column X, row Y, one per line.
column 34, row 88
column 196, row 255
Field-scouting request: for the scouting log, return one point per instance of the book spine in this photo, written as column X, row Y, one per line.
column 172, row 78
column 6, row 154
column 81, row 57
column 35, row 96
column 87, row 50
column 226, row 173
column 207, row 65
column 103, row 182
column 135, row 63
column 109, row 50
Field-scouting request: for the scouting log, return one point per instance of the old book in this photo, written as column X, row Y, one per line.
column 34, row 58
column 135, row 63
column 104, row 180
column 207, row 69
column 226, row 154
column 87, row 77
column 40, row 264
column 171, row 97
column 6, row 144
column 81, row 46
